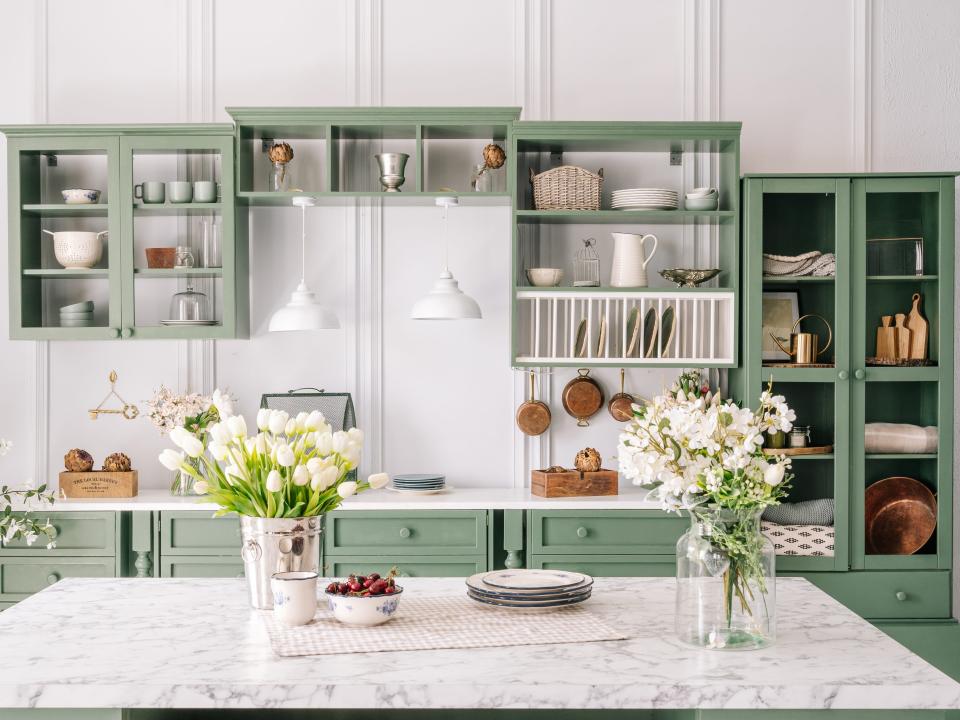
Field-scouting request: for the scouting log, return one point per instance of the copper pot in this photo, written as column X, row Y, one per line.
column 900, row 515
column 533, row 416
column 582, row 397
column 620, row 406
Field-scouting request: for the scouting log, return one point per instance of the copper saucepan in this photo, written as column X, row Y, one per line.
column 900, row 516
column 533, row 416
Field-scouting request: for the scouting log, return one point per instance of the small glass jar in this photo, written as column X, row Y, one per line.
column 279, row 178
column 726, row 582
column 184, row 257
column 799, row 436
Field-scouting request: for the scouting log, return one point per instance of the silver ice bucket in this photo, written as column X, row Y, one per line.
column 272, row 545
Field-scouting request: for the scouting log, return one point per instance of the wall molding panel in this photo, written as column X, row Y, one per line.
column 862, row 82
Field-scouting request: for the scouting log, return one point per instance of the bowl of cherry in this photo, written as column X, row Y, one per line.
column 364, row 599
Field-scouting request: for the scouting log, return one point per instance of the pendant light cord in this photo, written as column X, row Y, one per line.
column 303, row 244
column 446, row 242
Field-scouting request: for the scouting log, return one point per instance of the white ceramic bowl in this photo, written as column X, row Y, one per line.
column 707, row 203
column 702, row 192
column 544, row 277
column 366, row 611
column 77, row 250
column 80, row 196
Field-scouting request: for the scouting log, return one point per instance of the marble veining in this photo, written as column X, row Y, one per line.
column 168, row 643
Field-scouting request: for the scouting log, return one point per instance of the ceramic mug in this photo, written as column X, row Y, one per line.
column 205, row 191
column 294, row 596
column 180, row 191
column 150, row 191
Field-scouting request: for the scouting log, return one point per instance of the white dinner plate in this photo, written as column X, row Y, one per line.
column 532, row 579
column 410, row 491
column 476, row 584
column 527, row 606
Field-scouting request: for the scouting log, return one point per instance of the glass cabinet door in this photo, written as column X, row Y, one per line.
column 902, row 360
column 796, row 261
column 65, row 237
column 179, row 270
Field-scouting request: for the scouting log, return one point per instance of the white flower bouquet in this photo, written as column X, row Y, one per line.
column 697, row 452
column 292, row 467
column 17, row 525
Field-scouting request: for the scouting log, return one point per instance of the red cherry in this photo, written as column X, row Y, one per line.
column 332, row 587
column 373, row 576
column 390, row 590
column 369, row 582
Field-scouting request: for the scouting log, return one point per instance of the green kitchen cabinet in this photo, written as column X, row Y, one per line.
column 130, row 299
column 609, row 565
column 340, row 566
column 194, row 566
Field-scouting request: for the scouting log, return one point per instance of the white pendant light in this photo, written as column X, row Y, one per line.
column 303, row 312
column 446, row 301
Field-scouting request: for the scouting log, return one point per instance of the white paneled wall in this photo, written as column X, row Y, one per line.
column 821, row 85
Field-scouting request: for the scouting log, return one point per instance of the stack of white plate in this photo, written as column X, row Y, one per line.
column 419, row 484
column 529, row 589
column 77, row 315
column 645, row 199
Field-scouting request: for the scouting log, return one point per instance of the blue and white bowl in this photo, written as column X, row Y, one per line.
column 365, row 611
column 80, row 196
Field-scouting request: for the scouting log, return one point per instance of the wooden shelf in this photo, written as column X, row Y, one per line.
column 791, row 279
column 64, row 273
column 266, row 198
column 902, row 278
column 821, row 456
column 176, row 208
column 178, row 272
column 623, row 217
column 62, row 209
column 900, row 456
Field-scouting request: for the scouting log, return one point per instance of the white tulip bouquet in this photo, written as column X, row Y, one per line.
column 292, row 467
column 698, row 452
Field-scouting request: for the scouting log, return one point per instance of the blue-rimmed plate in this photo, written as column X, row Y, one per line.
column 532, row 579
column 519, row 605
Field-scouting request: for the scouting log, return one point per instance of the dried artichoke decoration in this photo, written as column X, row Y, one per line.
column 78, row 460
column 588, row 460
column 280, row 152
column 116, row 462
column 493, row 157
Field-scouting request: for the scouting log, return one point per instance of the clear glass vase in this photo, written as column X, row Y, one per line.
column 279, row 179
column 183, row 483
column 726, row 582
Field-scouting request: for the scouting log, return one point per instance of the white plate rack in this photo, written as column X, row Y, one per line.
column 625, row 327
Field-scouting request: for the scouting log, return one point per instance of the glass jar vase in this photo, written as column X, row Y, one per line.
column 726, row 582
column 279, row 178
column 184, row 483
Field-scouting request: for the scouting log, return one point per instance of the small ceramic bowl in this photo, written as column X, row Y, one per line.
column 80, row 196
column 702, row 192
column 81, row 307
column 707, row 203
column 365, row 611
column 544, row 277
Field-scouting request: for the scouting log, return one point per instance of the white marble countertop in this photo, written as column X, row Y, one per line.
column 493, row 498
column 162, row 643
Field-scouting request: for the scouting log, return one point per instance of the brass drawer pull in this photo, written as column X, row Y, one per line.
column 582, row 532
column 405, row 532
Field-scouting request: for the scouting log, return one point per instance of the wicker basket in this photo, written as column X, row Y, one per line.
column 567, row 188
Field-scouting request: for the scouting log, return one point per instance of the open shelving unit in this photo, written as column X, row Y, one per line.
column 790, row 215
column 626, row 327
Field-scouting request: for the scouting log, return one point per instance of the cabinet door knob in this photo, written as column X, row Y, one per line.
column 900, row 595
column 53, row 532
column 842, row 375
column 126, row 332
column 52, row 578
column 113, row 332
column 582, row 532
column 859, row 373
column 404, row 532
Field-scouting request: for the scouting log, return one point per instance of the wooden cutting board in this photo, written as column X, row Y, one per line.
column 902, row 337
column 919, row 330
column 811, row 450
column 886, row 339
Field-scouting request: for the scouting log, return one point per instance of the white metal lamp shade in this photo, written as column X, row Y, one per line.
column 303, row 312
column 446, row 301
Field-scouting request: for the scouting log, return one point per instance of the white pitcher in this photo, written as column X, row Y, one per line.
column 629, row 262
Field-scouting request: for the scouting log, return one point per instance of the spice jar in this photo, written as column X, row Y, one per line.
column 800, row 436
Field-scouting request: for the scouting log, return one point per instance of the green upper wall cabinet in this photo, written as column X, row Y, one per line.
column 130, row 299
column 855, row 217
column 334, row 152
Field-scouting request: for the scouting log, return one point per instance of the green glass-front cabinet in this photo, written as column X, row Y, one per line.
column 130, row 299
column 854, row 217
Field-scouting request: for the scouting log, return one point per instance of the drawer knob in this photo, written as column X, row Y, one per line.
column 842, row 375
column 582, row 532
column 52, row 578
column 54, row 531
column 859, row 374
column 900, row 595
column 404, row 532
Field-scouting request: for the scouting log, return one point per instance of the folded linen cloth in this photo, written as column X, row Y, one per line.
column 823, row 266
column 808, row 512
column 899, row 438
column 811, row 263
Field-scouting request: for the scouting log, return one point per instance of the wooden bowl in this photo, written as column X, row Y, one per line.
column 900, row 515
column 162, row 258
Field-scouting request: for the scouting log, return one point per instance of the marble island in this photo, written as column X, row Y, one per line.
column 195, row 643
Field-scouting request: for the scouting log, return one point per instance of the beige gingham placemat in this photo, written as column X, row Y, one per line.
column 433, row 623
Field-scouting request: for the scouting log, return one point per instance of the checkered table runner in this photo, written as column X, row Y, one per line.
column 433, row 623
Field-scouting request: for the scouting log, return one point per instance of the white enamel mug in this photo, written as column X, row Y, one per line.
column 294, row 596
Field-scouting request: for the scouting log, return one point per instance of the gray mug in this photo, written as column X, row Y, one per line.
column 150, row 191
column 180, row 191
column 205, row 191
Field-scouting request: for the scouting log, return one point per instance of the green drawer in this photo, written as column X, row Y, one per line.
column 609, row 565
column 196, row 533
column 936, row 642
column 5, row 605
column 613, row 532
column 407, row 565
column 23, row 576
column 78, row 533
column 201, row 567
column 889, row 595
column 430, row 532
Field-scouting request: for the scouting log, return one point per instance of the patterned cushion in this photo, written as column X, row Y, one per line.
column 800, row 540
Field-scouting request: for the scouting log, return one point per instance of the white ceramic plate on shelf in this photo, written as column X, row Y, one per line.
column 532, row 579
column 189, row 322
column 411, row 491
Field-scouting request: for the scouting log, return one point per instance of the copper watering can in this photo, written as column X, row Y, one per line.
column 803, row 345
